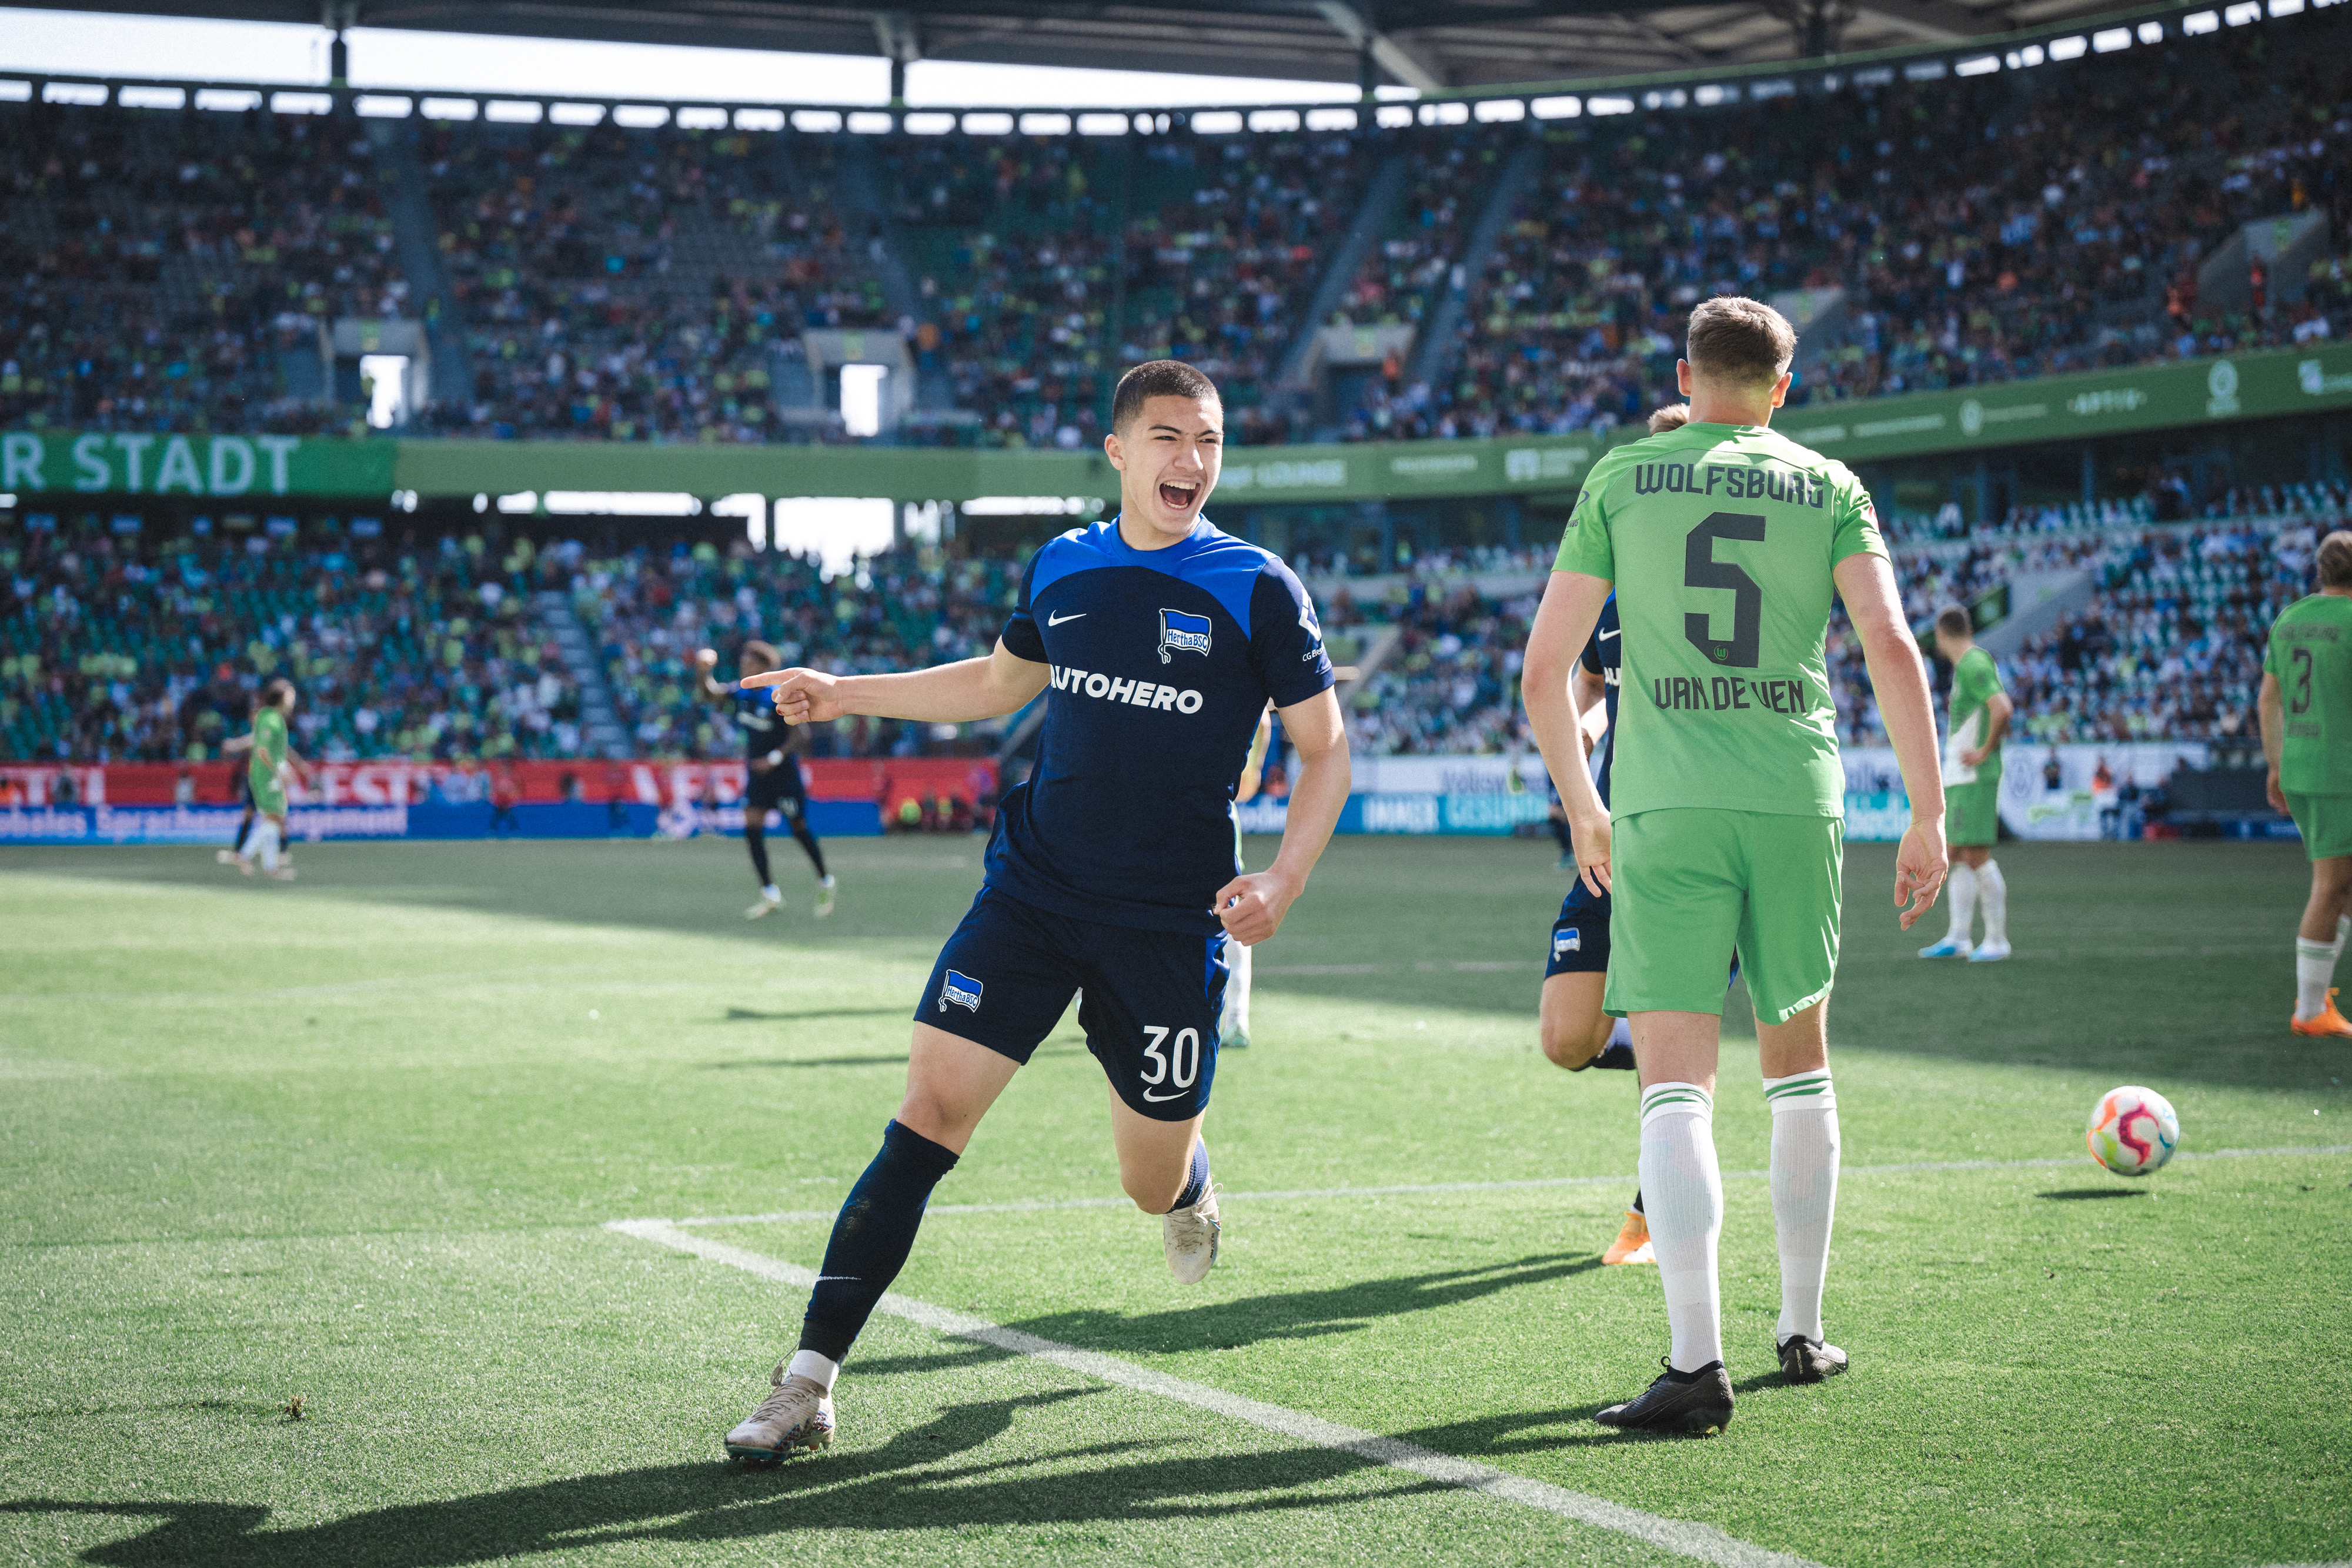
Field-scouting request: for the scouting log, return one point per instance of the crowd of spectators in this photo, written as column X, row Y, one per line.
column 117, row 648
column 174, row 269
column 650, row 610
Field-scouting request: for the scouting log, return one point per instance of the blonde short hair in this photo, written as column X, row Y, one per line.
column 1674, row 416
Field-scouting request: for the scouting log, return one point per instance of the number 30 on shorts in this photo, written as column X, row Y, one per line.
column 1176, row 1063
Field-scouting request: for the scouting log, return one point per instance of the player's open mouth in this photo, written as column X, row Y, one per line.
column 1177, row 497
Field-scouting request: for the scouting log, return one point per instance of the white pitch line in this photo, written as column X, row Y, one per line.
column 1035, row 1205
column 1703, row 1541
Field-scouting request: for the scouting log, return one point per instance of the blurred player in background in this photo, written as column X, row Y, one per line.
column 774, row 784
column 1724, row 544
column 1979, row 714
column 271, row 760
column 2306, row 718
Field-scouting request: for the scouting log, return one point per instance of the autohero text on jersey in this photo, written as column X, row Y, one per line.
column 1724, row 693
column 1732, row 481
column 1137, row 694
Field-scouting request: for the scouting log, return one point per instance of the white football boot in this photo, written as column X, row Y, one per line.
column 1989, row 951
column 772, row 898
column 1190, row 1237
column 796, row 1417
column 823, row 896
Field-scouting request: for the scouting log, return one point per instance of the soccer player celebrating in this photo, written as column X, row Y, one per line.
column 774, row 783
column 1111, row 870
column 1978, row 718
column 2307, row 716
column 266, row 771
column 1724, row 829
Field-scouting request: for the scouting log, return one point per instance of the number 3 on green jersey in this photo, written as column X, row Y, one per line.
column 1721, row 541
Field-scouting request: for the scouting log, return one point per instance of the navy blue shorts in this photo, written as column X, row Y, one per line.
column 780, row 788
column 1006, row 977
column 1579, row 938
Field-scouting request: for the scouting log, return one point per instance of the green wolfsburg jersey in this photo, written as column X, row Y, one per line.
column 1975, row 679
column 268, row 745
column 1720, row 539
column 2311, row 653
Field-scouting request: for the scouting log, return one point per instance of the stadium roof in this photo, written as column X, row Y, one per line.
column 1436, row 45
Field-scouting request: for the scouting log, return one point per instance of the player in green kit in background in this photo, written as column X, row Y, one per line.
column 1724, row 543
column 266, row 771
column 1980, row 718
column 2306, row 716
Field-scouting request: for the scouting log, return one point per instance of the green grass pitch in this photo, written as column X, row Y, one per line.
column 356, row 1139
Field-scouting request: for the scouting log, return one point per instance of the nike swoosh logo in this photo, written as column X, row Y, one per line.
column 1604, row 636
column 1057, row 619
column 1156, row 1099
column 844, row 1279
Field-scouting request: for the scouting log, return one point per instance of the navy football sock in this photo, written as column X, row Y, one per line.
column 809, row 846
column 756, row 840
column 872, row 1238
column 1196, row 1184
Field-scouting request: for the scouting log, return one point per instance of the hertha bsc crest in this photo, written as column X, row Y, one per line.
column 1179, row 633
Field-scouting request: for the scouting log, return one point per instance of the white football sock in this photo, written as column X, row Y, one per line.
column 1993, row 888
column 1682, row 1193
column 2343, row 929
column 1960, row 893
column 1804, row 1192
column 266, row 834
column 771, row 892
column 816, row 1368
column 2315, row 971
column 1620, row 1033
column 1237, row 985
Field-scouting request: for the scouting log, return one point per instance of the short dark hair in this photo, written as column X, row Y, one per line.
column 1674, row 416
column 2336, row 560
column 275, row 692
column 763, row 652
column 1743, row 341
column 1157, row 378
column 1954, row 622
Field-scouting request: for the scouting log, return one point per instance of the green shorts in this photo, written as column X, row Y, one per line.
column 2325, row 824
column 268, row 795
column 1691, row 883
column 1972, row 813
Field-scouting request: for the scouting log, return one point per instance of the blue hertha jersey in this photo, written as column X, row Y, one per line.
column 1161, row 661
column 1604, row 656
column 763, row 728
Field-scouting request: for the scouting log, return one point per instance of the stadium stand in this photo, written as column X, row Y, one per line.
column 114, row 648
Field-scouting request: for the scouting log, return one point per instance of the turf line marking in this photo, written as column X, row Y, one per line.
column 1703, row 1541
column 791, row 1217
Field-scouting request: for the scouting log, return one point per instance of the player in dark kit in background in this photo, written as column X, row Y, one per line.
column 1158, row 641
column 771, row 753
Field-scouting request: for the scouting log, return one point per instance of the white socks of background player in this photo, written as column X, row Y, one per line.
column 1804, row 1191
column 264, row 843
column 1682, row 1193
column 1237, row 988
column 2314, row 970
column 1992, row 892
column 1960, row 893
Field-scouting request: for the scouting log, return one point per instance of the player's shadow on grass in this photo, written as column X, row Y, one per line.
column 930, row 1478
column 2072, row 1194
column 1301, row 1314
column 751, row 1015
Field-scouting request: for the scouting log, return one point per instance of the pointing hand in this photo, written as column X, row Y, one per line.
column 802, row 696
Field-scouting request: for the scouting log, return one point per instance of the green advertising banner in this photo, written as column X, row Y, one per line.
column 141, row 463
column 2262, row 385
column 2188, row 393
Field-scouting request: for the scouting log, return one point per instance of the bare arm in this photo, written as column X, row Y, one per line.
column 1252, row 905
column 1564, row 622
column 705, row 685
column 1866, row 584
column 2271, row 711
column 959, row 693
column 1254, row 770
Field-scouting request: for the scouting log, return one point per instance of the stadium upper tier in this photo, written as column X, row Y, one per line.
column 180, row 269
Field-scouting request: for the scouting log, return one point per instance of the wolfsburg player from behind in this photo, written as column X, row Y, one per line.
column 1980, row 713
column 266, row 772
column 2307, row 716
column 1724, row 831
column 1111, row 870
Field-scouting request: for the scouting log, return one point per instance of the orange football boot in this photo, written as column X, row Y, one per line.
column 2326, row 1021
column 1633, row 1243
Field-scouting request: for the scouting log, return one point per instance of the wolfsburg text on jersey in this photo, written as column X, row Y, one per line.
column 1732, row 481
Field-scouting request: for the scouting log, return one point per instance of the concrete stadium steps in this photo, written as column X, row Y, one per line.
column 600, row 725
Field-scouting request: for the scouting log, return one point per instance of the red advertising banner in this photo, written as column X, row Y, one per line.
column 888, row 780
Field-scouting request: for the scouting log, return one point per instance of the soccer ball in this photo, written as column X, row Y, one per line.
column 2133, row 1131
